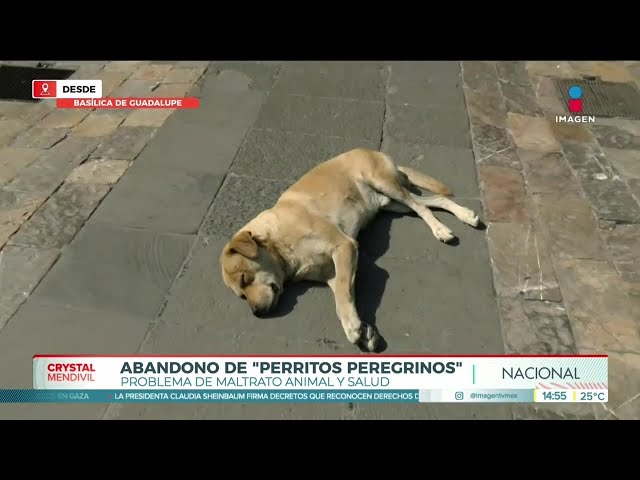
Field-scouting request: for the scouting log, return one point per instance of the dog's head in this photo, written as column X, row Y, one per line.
column 252, row 271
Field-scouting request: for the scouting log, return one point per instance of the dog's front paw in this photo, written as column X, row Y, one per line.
column 365, row 336
column 443, row 234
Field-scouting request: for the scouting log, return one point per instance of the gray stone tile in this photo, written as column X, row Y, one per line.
column 612, row 200
column 453, row 166
column 206, row 139
column 15, row 209
column 536, row 327
column 493, row 146
column 115, row 270
column 521, row 263
column 38, row 329
column 322, row 116
column 504, row 194
column 255, row 75
column 61, row 217
column 520, row 99
column 432, row 84
column 623, row 246
column 610, row 136
column 602, row 315
column 481, row 77
column 512, row 72
column 21, row 269
column 45, row 174
column 435, row 126
column 485, row 108
column 289, row 155
column 125, row 143
column 568, row 225
column 436, row 307
column 239, row 200
column 38, row 137
column 547, row 172
column 356, row 80
column 163, row 200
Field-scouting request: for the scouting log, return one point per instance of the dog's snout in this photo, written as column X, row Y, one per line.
column 258, row 311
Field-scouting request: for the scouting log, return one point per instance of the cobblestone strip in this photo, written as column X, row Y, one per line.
column 56, row 166
column 532, row 313
column 571, row 192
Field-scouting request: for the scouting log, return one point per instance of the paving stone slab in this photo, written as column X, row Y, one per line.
column 417, row 309
column 165, row 200
column 38, row 329
column 182, row 74
column 610, row 136
column 627, row 162
column 493, row 146
column 100, row 172
column 10, row 128
column 624, row 385
column 40, row 138
column 504, row 194
column 15, row 209
column 111, row 80
column 99, row 125
column 513, row 72
column 28, row 113
column 570, row 132
column 481, row 77
column 606, row 71
column 435, row 126
column 547, row 95
column 61, row 217
column 363, row 81
column 207, row 139
column 623, row 246
column 63, row 118
column 612, row 200
column 255, row 75
column 568, row 225
column 134, row 88
column 532, row 133
column 536, row 327
column 445, row 71
column 485, row 108
column 45, row 174
column 587, row 160
column 453, row 166
column 420, row 83
column 521, row 263
column 13, row 160
column 125, row 143
column 556, row 69
column 547, row 172
column 115, row 270
column 322, row 116
column 151, row 72
column 289, row 155
column 599, row 308
column 520, row 99
column 21, row 269
column 233, row 207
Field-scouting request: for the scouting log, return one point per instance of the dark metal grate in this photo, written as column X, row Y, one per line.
column 603, row 99
column 15, row 81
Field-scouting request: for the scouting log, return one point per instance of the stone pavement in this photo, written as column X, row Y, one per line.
column 111, row 226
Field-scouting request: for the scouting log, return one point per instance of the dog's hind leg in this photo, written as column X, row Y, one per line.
column 462, row 213
column 388, row 183
column 345, row 260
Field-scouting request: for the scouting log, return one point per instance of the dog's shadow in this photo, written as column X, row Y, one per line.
column 371, row 279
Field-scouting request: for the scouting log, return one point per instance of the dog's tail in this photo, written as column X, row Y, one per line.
column 426, row 182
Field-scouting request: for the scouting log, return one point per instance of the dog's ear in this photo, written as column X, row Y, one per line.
column 244, row 244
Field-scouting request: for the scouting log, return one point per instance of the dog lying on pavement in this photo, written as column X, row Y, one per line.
column 310, row 233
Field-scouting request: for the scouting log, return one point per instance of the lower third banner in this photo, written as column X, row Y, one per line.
column 322, row 379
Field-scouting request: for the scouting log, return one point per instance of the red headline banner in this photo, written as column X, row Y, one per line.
column 152, row 102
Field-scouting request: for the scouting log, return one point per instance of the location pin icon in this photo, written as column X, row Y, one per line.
column 45, row 88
